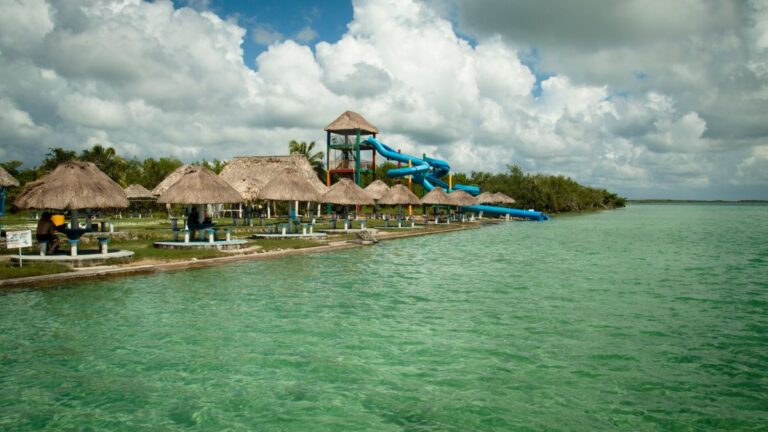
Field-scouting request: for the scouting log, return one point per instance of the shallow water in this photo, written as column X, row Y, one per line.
column 653, row 317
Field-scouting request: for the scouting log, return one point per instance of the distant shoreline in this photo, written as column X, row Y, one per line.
column 672, row 201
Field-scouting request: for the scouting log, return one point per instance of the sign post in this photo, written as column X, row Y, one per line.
column 19, row 239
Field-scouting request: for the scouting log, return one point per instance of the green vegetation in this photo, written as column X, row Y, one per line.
column 9, row 270
column 550, row 193
column 545, row 192
column 315, row 159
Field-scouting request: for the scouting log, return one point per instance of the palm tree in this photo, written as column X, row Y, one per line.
column 107, row 160
column 315, row 159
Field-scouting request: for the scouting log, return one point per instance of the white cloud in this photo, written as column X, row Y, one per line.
column 306, row 35
column 265, row 34
column 152, row 80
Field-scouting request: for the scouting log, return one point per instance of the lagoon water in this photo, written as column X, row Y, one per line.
column 654, row 317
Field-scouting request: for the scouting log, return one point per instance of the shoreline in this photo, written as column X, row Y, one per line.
column 129, row 270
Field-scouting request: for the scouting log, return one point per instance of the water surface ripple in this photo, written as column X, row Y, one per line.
column 647, row 318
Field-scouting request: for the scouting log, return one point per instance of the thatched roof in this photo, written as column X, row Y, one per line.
column 289, row 185
column 399, row 195
column 249, row 174
column 346, row 192
column 7, row 180
column 138, row 192
column 463, row 198
column 198, row 185
column 437, row 196
column 73, row 185
column 486, row 198
column 503, row 198
column 377, row 189
column 348, row 124
column 170, row 180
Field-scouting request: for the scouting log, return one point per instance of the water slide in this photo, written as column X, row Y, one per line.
column 427, row 172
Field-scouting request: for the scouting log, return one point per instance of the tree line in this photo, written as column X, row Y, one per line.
column 550, row 193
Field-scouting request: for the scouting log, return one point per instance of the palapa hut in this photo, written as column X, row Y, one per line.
column 72, row 186
column 349, row 124
column 6, row 180
column 502, row 198
column 345, row 192
column 438, row 197
column 463, row 198
column 169, row 180
column 399, row 195
column 289, row 185
column 249, row 174
column 376, row 190
column 486, row 198
column 139, row 193
column 199, row 186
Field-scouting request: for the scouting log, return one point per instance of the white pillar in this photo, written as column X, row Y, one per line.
column 268, row 214
column 318, row 209
column 296, row 209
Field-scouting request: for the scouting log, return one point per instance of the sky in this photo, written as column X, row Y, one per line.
column 647, row 98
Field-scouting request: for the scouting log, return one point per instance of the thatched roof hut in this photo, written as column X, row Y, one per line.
column 73, row 185
column 348, row 124
column 198, row 185
column 503, row 198
column 463, row 198
column 437, row 196
column 169, row 180
column 289, row 185
column 7, row 180
column 346, row 192
column 249, row 174
column 486, row 198
column 399, row 195
column 138, row 192
column 377, row 189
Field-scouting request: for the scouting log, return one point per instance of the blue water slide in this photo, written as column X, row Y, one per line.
column 501, row 211
column 427, row 173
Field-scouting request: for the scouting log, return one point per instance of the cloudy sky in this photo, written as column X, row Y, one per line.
column 648, row 98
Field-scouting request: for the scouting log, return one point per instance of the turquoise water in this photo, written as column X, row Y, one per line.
column 647, row 318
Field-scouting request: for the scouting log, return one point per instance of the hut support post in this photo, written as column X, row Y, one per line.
column 327, row 171
column 357, row 157
column 358, row 165
column 268, row 212
column 73, row 219
column 410, row 188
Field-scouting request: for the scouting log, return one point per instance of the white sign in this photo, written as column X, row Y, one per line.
column 19, row 239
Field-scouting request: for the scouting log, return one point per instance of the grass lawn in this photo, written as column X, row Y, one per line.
column 8, row 270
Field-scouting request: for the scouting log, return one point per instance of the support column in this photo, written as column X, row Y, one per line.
column 357, row 157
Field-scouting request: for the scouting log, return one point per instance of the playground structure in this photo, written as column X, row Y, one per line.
column 425, row 171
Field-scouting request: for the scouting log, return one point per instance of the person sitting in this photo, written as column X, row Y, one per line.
column 194, row 216
column 46, row 232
